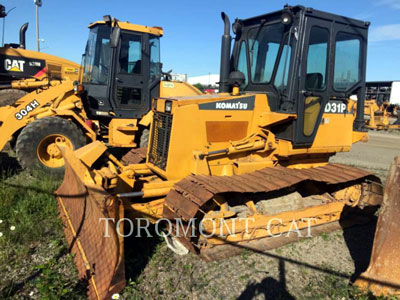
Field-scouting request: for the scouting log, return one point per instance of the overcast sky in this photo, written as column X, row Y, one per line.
column 192, row 29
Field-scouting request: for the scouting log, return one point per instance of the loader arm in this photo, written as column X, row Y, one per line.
column 33, row 106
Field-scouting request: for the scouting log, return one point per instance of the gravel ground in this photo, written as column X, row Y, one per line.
column 375, row 155
column 318, row 268
column 315, row 268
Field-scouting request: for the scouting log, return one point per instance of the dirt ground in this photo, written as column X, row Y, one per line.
column 321, row 267
column 318, row 268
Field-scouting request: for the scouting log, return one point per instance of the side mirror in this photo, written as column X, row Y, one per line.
column 115, row 35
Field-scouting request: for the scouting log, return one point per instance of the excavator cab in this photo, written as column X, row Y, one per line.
column 308, row 62
column 121, row 69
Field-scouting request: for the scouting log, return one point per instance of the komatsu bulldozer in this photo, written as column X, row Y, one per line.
column 240, row 169
column 121, row 74
column 23, row 71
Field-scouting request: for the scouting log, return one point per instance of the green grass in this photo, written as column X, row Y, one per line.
column 332, row 287
column 34, row 259
column 29, row 206
column 33, row 254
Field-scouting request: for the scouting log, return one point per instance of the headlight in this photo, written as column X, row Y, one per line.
column 286, row 18
column 168, row 106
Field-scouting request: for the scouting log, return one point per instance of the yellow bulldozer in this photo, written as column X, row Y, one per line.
column 23, row 71
column 379, row 116
column 121, row 74
column 246, row 168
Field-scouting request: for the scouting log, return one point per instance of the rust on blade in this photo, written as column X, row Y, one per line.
column 383, row 274
column 98, row 249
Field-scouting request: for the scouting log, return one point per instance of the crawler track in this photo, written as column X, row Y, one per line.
column 192, row 196
column 134, row 156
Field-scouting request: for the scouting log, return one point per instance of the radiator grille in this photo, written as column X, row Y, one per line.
column 159, row 143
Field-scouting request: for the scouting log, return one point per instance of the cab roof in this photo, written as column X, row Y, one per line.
column 132, row 27
column 309, row 12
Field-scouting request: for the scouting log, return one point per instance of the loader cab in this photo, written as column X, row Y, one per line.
column 121, row 69
column 308, row 63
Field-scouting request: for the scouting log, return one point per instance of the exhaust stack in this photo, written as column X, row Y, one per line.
column 22, row 31
column 225, row 56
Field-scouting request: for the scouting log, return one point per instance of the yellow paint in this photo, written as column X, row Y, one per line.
column 121, row 132
column 378, row 121
column 66, row 66
column 151, row 210
column 256, row 226
column 177, row 89
column 90, row 153
column 15, row 69
column 335, row 134
column 49, row 154
column 132, row 27
column 146, row 119
column 10, row 124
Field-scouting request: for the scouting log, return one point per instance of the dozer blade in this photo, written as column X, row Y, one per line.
column 383, row 274
column 98, row 249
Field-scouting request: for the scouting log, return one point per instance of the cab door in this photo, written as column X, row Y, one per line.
column 130, row 92
column 314, row 86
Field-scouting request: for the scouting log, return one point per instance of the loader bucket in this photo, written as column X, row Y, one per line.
column 97, row 249
column 383, row 274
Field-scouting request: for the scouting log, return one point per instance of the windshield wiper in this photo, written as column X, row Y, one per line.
column 254, row 41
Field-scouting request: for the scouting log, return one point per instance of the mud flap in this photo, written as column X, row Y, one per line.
column 383, row 274
column 94, row 241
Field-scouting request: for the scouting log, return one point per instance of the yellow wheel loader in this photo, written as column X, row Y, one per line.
column 121, row 74
column 23, row 71
column 245, row 169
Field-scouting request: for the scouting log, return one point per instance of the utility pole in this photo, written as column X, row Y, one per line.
column 4, row 24
column 38, row 4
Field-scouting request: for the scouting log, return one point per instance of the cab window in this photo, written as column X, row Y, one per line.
column 264, row 46
column 97, row 56
column 347, row 61
column 317, row 58
column 155, row 64
column 315, row 79
column 130, row 59
column 282, row 74
column 242, row 63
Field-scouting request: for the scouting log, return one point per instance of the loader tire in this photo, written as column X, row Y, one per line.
column 9, row 96
column 36, row 148
column 397, row 122
column 144, row 138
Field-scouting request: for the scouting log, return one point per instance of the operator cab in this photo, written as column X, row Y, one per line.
column 307, row 62
column 121, row 69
